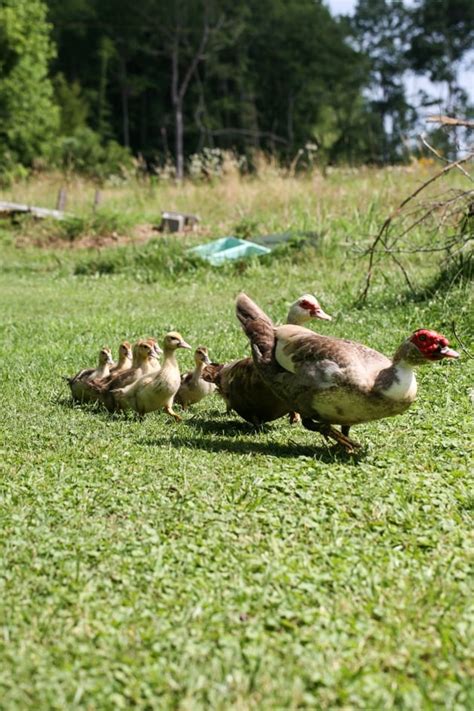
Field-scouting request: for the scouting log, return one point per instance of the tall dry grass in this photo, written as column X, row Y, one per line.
column 272, row 199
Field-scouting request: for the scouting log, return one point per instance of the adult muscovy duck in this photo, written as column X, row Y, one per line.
column 334, row 381
column 240, row 384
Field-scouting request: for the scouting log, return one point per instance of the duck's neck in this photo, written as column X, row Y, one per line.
column 148, row 366
column 123, row 363
column 398, row 380
column 197, row 372
column 103, row 370
column 296, row 319
column 169, row 359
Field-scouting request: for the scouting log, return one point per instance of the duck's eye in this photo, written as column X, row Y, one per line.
column 422, row 337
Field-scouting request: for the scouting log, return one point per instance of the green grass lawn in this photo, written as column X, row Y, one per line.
column 206, row 565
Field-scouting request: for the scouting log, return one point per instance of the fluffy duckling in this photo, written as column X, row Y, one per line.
column 154, row 363
column 144, row 361
column 193, row 388
column 156, row 391
column 80, row 384
column 125, row 359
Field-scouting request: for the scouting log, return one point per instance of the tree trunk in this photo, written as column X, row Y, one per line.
column 178, row 116
column 124, row 98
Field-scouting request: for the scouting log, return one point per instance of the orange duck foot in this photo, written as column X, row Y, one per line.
column 331, row 433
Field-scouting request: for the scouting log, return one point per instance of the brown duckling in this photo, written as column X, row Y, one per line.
column 156, row 391
column 193, row 387
column 80, row 384
column 125, row 359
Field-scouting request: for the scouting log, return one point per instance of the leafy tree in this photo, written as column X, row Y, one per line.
column 72, row 103
column 380, row 31
column 443, row 34
column 28, row 115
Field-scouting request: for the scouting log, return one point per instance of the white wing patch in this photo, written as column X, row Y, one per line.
column 283, row 358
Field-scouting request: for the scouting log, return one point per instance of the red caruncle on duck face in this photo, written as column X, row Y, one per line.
column 432, row 345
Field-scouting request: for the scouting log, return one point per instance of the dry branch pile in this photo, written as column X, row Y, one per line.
column 447, row 218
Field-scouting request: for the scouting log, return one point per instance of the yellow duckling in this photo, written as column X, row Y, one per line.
column 154, row 363
column 80, row 384
column 193, row 388
column 125, row 359
column 157, row 390
column 144, row 361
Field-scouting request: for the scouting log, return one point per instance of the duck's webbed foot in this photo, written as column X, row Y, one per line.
column 169, row 410
column 331, row 433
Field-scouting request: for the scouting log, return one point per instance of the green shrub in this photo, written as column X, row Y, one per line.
column 84, row 153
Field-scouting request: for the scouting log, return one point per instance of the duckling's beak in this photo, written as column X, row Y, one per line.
column 319, row 313
column 110, row 360
column 206, row 360
column 183, row 344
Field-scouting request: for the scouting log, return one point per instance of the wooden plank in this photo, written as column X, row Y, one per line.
column 15, row 208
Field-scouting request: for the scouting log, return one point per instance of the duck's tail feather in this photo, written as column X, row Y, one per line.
column 258, row 328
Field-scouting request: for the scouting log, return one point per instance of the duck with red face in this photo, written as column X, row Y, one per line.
column 333, row 381
column 432, row 345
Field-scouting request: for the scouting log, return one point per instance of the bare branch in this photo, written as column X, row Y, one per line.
column 450, row 121
column 442, row 158
column 453, row 326
column 379, row 238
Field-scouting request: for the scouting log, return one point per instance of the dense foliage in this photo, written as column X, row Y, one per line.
column 28, row 115
column 166, row 79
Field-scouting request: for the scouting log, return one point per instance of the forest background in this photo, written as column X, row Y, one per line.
column 105, row 87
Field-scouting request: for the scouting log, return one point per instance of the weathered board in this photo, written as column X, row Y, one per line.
column 14, row 208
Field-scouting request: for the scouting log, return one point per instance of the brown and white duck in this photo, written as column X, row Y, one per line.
column 193, row 388
column 80, row 383
column 156, row 391
column 239, row 382
column 333, row 381
column 144, row 360
column 125, row 359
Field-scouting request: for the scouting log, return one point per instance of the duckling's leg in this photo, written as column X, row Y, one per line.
column 169, row 410
column 330, row 433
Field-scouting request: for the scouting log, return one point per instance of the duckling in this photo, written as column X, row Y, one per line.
column 144, row 361
column 80, row 384
column 154, row 362
column 156, row 390
column 193, row 388
column 125, row 359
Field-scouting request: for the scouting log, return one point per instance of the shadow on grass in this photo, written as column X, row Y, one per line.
column 250, row 446
column 228, row 426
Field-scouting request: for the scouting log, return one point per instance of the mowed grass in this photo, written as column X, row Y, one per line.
column 209, row 565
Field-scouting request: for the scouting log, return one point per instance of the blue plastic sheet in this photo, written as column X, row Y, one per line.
column 228, row 248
